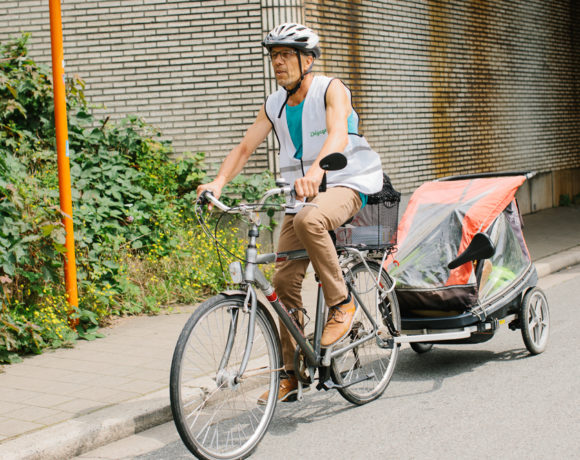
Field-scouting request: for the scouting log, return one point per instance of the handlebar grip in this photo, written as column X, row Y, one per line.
column 208, row 197
column 203, row 199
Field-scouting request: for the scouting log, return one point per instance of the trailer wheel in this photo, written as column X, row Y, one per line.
column 535, row 320
column 420, row 347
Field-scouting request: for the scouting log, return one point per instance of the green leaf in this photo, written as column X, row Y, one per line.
column 90, row 335
column 8, row 268
column 111, row 264
column 30, row 238
column 9, row 358
column 47, row 275
column 84, row 115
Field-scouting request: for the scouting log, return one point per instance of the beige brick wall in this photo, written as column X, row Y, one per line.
column 442, row 87
column 455, row 87
column 192, row 68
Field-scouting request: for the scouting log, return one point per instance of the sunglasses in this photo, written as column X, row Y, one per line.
column 285, row 55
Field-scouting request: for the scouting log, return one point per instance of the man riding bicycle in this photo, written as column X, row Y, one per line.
column 312, row 116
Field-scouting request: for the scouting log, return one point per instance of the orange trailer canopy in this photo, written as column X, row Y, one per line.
column 439, row 223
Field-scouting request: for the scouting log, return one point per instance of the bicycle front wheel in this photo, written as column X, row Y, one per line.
column 216, row 412
column 365, row 370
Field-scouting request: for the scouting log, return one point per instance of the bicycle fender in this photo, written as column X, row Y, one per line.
column 267, row 312
column 233, row 293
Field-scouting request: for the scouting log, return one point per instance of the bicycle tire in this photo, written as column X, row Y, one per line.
column 217, row 417
column 535, row 320
column 368, row 359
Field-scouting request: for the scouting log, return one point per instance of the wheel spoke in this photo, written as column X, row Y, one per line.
column 227, row 422
column 367, row 359
column 535, row 320
column 535, row 334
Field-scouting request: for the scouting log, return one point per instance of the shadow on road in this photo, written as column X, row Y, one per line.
column 316, row 406
column 436, row 366
column 443, row 363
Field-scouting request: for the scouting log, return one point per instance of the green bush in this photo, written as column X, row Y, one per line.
column 565, row 200
column 138, row 246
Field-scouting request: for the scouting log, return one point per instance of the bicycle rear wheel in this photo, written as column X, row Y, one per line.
column 216, row 414
column 372, row 363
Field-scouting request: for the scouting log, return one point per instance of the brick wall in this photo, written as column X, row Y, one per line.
column 442, row 87
column 450, row 87
column 192, row 68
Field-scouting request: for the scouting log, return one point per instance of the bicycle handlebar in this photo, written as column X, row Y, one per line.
column 208, row 196
column 333, row 162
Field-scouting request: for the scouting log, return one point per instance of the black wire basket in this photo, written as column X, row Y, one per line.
column 373, row 227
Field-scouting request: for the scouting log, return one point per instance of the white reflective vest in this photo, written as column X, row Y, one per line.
column 363, row 171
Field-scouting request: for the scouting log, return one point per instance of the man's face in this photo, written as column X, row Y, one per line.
column 285, row 65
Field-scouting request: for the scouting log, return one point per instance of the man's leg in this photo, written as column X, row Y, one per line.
column 288, row 285
column 334, row 207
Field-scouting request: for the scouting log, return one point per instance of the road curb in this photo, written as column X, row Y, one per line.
column 88, row 432
column 556, row 262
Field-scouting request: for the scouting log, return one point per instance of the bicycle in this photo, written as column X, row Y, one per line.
column 228, row 353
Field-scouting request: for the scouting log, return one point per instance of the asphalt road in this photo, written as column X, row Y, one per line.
column 466, row 401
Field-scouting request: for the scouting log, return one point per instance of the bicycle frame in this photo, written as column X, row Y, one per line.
column 253, row 277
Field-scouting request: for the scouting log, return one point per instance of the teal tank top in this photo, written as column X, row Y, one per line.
column 294, row 120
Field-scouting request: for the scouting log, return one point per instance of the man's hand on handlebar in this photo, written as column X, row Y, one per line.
column 308, row 186
column 215, row 187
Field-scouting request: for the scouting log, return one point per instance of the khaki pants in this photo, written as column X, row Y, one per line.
column 308, row 229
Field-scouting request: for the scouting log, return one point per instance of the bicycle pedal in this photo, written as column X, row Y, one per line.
column 327, row 385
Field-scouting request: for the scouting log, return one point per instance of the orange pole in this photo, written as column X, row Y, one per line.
column 62, row 150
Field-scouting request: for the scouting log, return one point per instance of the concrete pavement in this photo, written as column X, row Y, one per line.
column 69, row 401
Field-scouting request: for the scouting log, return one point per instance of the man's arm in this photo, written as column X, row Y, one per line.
column 338, row 108
column 239, row 155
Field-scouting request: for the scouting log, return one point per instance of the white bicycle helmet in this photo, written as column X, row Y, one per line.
column 295, row 36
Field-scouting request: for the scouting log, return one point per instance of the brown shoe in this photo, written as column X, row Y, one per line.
column 287, row 392
column 338, row 324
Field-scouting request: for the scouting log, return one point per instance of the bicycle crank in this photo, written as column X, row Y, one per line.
column 304, row 373
column 331, row 385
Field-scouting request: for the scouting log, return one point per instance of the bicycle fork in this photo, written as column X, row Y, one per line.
column 223, row 377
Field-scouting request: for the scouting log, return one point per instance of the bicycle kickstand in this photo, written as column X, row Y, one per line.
column 300, row 394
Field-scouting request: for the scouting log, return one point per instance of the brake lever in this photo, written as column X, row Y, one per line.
column 292, row 199
column 300, row 205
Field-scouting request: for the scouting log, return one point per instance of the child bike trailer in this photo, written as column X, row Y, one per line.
column 462, row 267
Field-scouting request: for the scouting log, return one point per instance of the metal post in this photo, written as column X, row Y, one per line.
column 64, row 182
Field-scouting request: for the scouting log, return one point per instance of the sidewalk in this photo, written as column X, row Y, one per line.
column 62, row 403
